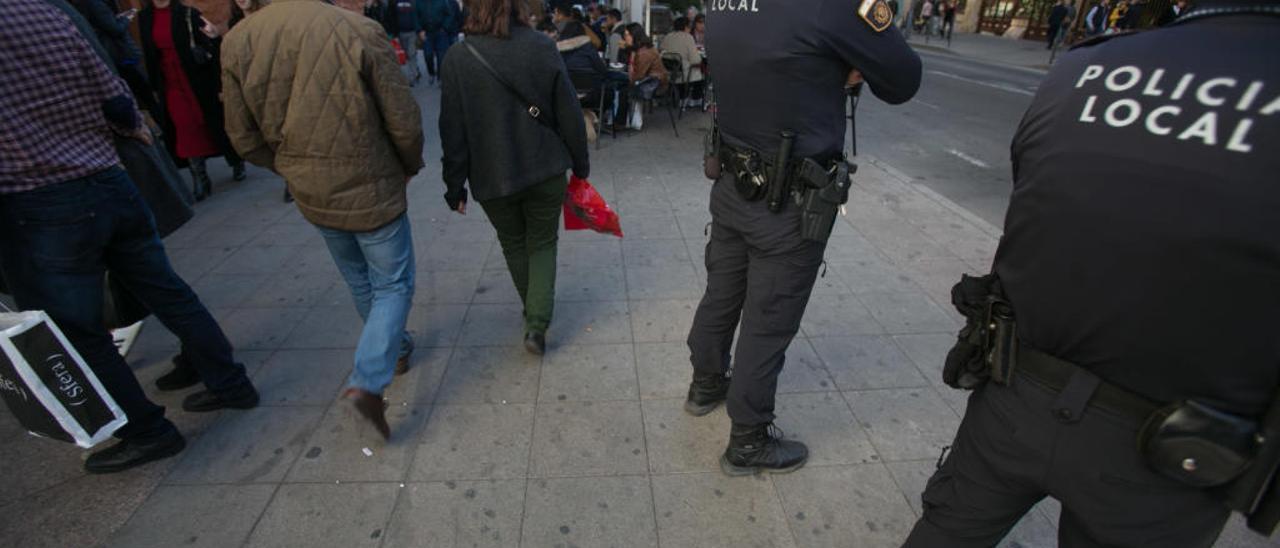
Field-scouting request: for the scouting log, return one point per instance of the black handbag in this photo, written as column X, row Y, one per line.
column 199, row 54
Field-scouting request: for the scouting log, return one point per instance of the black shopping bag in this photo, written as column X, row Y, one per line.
column 47, row 386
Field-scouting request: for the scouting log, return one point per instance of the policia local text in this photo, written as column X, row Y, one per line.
column 1224, row 121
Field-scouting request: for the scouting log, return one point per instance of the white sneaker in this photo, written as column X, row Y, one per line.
column 125, row 337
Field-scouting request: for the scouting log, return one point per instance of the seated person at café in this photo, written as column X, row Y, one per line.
column 582, row 58
column 648, row 76
column 682, row 43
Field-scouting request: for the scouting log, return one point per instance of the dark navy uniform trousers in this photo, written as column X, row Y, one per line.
column 1023, row 442
column 759, row 273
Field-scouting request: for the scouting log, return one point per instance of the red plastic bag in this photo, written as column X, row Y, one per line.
column 401, row 57
column 584, row 208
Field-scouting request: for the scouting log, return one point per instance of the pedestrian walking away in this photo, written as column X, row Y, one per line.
column 347, row 165
column 439, row 31
column 769, row 231
column 406, row 21
column 68, row 213
column 510, row 127
column 182, row 64
column 1144, row 192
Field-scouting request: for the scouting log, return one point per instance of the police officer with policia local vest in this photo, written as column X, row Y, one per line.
column 1126, row 350
column 781, row 69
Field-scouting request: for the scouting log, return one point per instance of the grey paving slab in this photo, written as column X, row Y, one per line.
column 589, row 373
column 838, row 315
column 662, row 321
column 493, row 324
column 227, row 236
column 452, row 287
column 655, row 253
column 672, row 281
column 349, row 514
column 713, row 510
column 33, row 464
column 494, row 374
column 327, row 327
column 803, row 370
column 900, row 240
column 859, row 362
column 652, row 227
column 579, row 283
column 442, row 256
column 845, row 506
column 846, row 245
column 873, row 275
column 912, row 312
column 679, row 442
column 436, row 325
column 336, row 449
column 475, row 442
column 588, row 438
column 260, row 328
column 604, row 512
column 495, row 287
column 604, row 253
column 227, row 290
column 171, row 516
column 258, row 260
column 823, row 422
column 465, row 231
column 905, row 424
column 254, row 446
column 193, row 263
column 304, row 377
column 288, row 234
column 300, row 288
column 664, row 369
column 929, row 352
column 598, row 322
column 480, row 514
column 422, row 382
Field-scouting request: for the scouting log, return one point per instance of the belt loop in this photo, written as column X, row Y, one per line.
column 1069, row 407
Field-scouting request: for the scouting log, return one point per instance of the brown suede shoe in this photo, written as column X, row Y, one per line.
column 371, row 407
column 402, row 363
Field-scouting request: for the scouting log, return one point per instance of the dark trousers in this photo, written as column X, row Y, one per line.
column 528, row 225
column 57, row 241
column 433, row 49
column 759, row 273
column 1013, row 449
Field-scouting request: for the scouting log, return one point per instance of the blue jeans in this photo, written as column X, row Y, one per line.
column 57, row 242
column 379, row 270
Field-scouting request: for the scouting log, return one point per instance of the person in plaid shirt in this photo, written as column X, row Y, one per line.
column 68, row 212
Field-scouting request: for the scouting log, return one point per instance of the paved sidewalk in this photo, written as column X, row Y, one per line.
column 1029, row 54
column 586, row 447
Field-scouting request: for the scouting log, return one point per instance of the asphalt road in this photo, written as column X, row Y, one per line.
column 954, row 136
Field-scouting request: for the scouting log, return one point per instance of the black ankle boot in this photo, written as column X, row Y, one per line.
column 760, row 448
column 705, row 393
column 535, row 343
column 182, row 376
column 238, row 172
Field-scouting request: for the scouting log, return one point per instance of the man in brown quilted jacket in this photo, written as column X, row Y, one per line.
column 313, row 92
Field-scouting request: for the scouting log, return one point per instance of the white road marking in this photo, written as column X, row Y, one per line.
column 927, row 104
column 1001, row 87
column 968, row 158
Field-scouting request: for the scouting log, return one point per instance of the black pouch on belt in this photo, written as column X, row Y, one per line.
column 967, row 365
column 1198, row 445
column 825, row 191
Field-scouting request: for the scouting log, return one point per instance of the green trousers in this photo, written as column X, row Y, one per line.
column 528, row 225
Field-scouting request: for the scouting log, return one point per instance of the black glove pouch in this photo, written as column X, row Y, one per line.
column 1197, row 445
column 966, row 366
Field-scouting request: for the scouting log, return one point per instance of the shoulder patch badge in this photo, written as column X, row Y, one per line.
column 876, row 13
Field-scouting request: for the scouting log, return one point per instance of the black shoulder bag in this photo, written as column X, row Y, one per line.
column 534, row 110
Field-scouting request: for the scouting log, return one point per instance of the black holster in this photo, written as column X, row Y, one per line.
column 821, row 193
column 987, row 344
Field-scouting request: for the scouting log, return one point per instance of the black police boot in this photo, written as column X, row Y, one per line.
column 133, row 453
column 205, row 401
column 238, row 172
column 705, row 393
column 760, row 448
column 182, row 376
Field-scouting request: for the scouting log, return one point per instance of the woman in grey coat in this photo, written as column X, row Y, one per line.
column 510, row 127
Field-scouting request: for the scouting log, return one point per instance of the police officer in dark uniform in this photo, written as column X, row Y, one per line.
column 781, row 67
column 1133, row 316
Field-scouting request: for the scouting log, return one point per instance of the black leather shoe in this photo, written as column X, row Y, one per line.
column 535, row 343
column 131, row 453
column 183, row 376
column 760, row 448
column 238, row 172
column 205, row 401
column 706, row 392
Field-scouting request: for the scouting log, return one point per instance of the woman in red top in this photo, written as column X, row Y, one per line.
column 182, row 64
